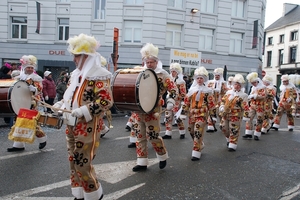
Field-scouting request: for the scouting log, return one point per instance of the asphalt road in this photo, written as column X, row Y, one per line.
column 264, row 169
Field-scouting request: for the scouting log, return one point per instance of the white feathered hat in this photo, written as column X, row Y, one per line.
column 149, row 51
column 230, row 78
column 28, row 61
column 285, row 77
column 218, row 71
column 267, row 78
column 292, row 78
column 176, row 67
column 238, row 78
column 252, row 77
column 201, row 71
column 103, row 61
column 83, row 44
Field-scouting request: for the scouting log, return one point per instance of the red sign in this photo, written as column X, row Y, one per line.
column 208, row 61
column 54, row 52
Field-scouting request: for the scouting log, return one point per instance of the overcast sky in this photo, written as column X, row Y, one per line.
column 274, row 10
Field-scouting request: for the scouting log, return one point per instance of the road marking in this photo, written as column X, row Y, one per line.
column 121, row 138
column 108, row 172
column 111, row 196
column 289, row 194
column 115, row 172
column 121, row 193
column 287, row 130
column 37, row 190
column 25, row 154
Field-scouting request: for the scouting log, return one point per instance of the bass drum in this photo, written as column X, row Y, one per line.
column 135, row 90
column 13, row 96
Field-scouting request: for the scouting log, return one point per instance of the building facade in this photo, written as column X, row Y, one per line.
column 282, row 55
column 225, row 32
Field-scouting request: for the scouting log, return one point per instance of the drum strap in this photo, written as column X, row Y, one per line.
column 75, row 92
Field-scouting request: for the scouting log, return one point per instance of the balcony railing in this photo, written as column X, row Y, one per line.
column 290, row 65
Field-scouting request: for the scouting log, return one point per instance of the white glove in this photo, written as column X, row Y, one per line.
column 254, row 96
column 46, row 98
column 250, row 96
column 57, row 105
column 182, row 117
column 217, row 90
column 77, row 113
column 170, row 106
column 221, row 108
column 32, row 88
column 230, row 97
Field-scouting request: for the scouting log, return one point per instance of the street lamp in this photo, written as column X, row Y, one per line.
column 193, row 11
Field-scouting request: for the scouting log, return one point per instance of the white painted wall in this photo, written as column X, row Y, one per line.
column 273, row 70
column 154, row 14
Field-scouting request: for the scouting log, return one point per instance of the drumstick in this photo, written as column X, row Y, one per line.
column 49, row 106
column 158, row 113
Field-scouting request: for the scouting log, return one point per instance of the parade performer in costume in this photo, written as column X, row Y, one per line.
column 232, row 108
column 88, row 96
column 296, row 111
column 271, row 96
column 230, row 83
column 295, row 79
column 257, row 99
column 288, row 99
column 176, row 73
column 199, row 104
column 219, row 86
column 148, row 126
column 29, row 63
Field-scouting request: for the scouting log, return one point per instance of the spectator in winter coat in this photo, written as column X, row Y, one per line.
column 5, row 72
column 61, row 88
column 49, row 89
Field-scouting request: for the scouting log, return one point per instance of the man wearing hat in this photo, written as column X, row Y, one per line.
column 230, row 83
column 288, row 99
column 257, row 99
column 199, row 103
column 34, row 81
column 219, row 86
column 177, row 76
column 148, row 126
column 49, row 89
column 271, row 96
column 88, row 97
column 232, row 108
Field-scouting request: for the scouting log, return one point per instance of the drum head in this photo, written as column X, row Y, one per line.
column 20, row 96
column 148, row 90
